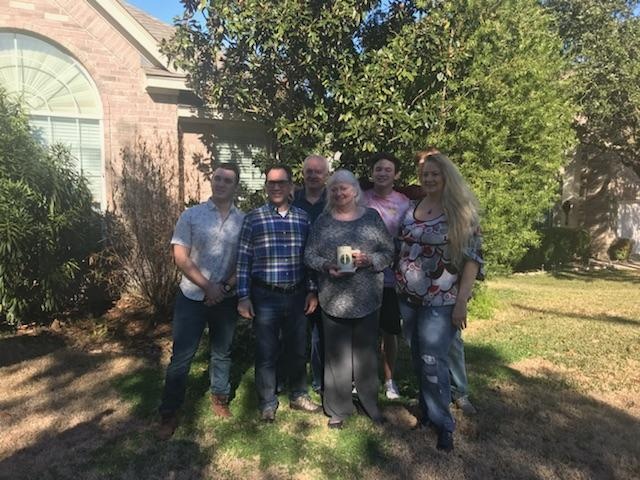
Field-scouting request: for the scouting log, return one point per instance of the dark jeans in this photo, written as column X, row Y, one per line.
column 316, row 355
column 351, row 353
column 279, row 313
column 189, row 320
column 317, row 349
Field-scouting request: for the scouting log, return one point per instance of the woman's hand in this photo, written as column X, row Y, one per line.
column 361, row 259
column 335, row 272
column 459, row 315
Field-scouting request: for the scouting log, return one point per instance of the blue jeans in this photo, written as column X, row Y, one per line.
column 431, row 339
column 457, row 367
column 189, row 320
column 279, row 313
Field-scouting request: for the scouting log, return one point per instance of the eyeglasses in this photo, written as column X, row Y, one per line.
column 277, row 183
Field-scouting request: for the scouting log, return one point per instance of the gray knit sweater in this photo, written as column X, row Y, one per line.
column 359, row 294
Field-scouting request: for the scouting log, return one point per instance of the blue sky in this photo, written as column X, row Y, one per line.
column 163, row 10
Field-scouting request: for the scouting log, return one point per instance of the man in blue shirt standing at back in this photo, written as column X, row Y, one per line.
column 312, row 199
column 275, row 291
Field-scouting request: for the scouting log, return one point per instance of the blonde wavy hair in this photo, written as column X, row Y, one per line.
column 459, row 203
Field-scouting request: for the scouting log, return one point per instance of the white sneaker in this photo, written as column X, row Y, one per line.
column 391, row 390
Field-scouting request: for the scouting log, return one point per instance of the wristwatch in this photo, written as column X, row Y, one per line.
column 226, row 288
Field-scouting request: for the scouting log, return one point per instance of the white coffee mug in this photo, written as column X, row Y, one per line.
column 345, row 258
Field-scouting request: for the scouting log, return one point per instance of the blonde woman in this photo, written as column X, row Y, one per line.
column 440, row 257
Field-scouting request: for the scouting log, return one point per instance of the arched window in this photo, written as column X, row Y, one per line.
column 62, row 102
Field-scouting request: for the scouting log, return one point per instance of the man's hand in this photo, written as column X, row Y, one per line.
column 459, row 315
column 213, row 294
column 310, row 303
column 245, row 308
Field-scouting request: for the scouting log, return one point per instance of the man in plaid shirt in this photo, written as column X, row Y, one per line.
column 275, row 291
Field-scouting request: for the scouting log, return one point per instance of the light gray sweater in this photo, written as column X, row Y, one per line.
column 359, row 294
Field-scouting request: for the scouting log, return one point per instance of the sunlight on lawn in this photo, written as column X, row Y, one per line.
column 539, row 367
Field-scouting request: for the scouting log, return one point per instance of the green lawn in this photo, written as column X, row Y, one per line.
column 554, row 372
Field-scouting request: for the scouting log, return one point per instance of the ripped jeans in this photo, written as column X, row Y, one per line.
column 431, row 339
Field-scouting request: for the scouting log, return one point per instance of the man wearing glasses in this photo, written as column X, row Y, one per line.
column 275, row 291
column 204, row 249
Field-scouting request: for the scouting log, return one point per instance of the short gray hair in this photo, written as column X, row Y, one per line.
column 315, row 156
column 343, row 176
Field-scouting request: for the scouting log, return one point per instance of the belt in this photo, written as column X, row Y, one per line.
column 410, row 299
column 275, row 288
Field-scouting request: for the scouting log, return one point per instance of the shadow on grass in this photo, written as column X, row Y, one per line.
column 21, row 348
column 599, row 318
column 609, row 275
column 529, row 426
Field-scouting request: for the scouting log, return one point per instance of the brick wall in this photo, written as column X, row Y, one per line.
column 113, row 63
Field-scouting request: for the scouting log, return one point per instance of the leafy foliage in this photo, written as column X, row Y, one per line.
column 48, row 227
column 483, row 80
column 602, row 41
column 558, row 246
column 139, row 228
column 621, row 249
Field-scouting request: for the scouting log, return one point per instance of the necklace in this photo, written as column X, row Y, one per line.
column 430, row 209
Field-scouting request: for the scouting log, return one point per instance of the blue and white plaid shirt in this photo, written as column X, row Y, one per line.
column 271, row 249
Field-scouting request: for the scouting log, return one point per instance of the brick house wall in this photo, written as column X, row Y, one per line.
column 112, row 61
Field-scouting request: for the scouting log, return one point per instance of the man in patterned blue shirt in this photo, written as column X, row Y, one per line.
column 275, row 291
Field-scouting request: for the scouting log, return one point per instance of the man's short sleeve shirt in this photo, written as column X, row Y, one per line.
column 213, row 242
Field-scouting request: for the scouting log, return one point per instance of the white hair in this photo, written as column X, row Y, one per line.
column 343, row 176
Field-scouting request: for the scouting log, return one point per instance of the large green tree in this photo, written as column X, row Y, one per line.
column 481, row 79
column 602, row 44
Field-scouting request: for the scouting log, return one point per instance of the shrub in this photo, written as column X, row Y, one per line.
column 483, row 302
column 621, row 249
column 558, row 246
column 48, row 227
column 140, row 227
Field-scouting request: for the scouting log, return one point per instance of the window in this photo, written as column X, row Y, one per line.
column 62, row 102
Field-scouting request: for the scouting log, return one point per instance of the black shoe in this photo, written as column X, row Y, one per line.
column 445, row 441
column 268, row 415
column 379, row 420
column 335, row 424
column 168, row 425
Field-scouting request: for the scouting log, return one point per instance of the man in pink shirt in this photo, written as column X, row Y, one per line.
column 391, row 205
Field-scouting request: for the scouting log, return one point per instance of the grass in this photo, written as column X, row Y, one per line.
column 549, row 336
column 553, row 362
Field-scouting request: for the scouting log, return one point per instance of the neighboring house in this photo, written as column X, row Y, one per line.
column 91, row 76
column 601, row 195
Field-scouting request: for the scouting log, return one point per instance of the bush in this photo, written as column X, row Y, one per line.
column 483, row 303
column 48, row 227
column 621, row 249
column 140, row 227
column 558, row 246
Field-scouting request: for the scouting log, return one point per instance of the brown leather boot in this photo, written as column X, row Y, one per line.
column 220, row 406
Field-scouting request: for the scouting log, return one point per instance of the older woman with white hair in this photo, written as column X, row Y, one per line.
column 350, row 297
